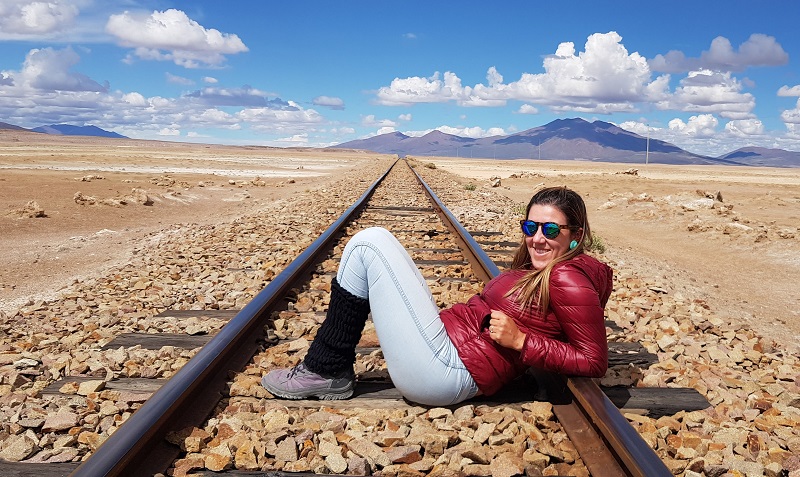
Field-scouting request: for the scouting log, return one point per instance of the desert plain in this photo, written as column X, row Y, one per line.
column 705, row 261
column 75, row 207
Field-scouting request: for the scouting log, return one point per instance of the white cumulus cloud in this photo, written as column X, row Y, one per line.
column 699, row 134
column 175, row 79
column 385, row 130
column 23, row 18
column 637, row 127
column 296, row 140
column 328, row 102
column 789, row 91
column 50, row 69
column 292, row 121
column 604, row 74
column 758, row 50
column 172, row 36
column 169, row 132
column 604, row 78
column 528, row 109
column 792, row 117
column 244, row 96
column 473, row 132
column 134, row 99
column 707, row 91
column 404, row 91
column 703, row 125
column 745, row 128
column 47, row 90
column 371, row 121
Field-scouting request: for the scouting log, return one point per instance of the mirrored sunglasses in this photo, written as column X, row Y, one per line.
column 549, row 229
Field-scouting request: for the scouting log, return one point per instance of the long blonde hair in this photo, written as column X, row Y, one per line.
column 534, row 287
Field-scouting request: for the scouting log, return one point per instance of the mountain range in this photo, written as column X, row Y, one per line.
column 562, row 139
column 762, row 156
column 67, row 130
column 567, row 139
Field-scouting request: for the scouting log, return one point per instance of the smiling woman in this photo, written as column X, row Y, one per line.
column 556, row 230
column 545, row 313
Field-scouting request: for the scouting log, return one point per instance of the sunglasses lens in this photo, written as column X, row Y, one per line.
column 529, row 227
column 550, row 230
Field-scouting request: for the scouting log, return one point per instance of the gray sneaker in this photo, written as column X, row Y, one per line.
column 301, row 383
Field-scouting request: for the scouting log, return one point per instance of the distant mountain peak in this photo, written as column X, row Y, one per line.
column 561, row 139
column 561, row 121
column 437, row 133
column 763, row 156
column 70, row 130
column 11, row 126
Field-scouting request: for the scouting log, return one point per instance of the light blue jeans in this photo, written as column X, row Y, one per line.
column 422, row 361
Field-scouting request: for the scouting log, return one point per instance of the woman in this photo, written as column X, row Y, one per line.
column 545, row 312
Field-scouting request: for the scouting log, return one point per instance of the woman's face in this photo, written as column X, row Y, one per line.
column 542, row 249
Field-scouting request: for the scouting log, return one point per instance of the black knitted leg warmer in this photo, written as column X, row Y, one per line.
column 334, row 348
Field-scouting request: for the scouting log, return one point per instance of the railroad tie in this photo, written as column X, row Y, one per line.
column 375, row 389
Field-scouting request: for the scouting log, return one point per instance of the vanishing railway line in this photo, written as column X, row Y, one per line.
column 276, row 322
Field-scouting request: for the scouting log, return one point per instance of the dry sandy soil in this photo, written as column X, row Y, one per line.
column 185, row 184
column 740, row 254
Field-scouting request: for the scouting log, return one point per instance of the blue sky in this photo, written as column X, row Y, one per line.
column 708, row 76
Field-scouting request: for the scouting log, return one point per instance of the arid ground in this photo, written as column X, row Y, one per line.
column 73, row 207
column 79, row 235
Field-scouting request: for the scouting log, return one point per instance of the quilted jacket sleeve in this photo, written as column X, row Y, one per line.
column 576, row 301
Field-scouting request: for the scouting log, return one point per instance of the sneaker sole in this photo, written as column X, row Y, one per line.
column 327, row 395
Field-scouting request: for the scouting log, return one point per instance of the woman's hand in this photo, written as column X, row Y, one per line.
column 505, row 332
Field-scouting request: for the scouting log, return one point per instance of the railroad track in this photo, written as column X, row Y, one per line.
column 291, row 305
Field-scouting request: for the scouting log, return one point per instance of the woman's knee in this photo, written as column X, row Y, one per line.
column 374, row 242
column 371, row 235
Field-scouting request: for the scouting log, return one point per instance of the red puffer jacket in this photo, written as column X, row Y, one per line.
column 570, row 338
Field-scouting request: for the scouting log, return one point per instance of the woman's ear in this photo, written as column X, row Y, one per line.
column 577, row 237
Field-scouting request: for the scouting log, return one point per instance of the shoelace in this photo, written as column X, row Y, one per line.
column 297, row 370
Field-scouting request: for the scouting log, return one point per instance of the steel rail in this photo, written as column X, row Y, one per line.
column 139, row 447
column 579, row 400
column 634, row 455
column 483, row 266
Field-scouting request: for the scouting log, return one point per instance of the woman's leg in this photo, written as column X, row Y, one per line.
column 327, row 370
column 422, row 361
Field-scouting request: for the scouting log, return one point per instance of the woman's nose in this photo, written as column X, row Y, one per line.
column 538, row 237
